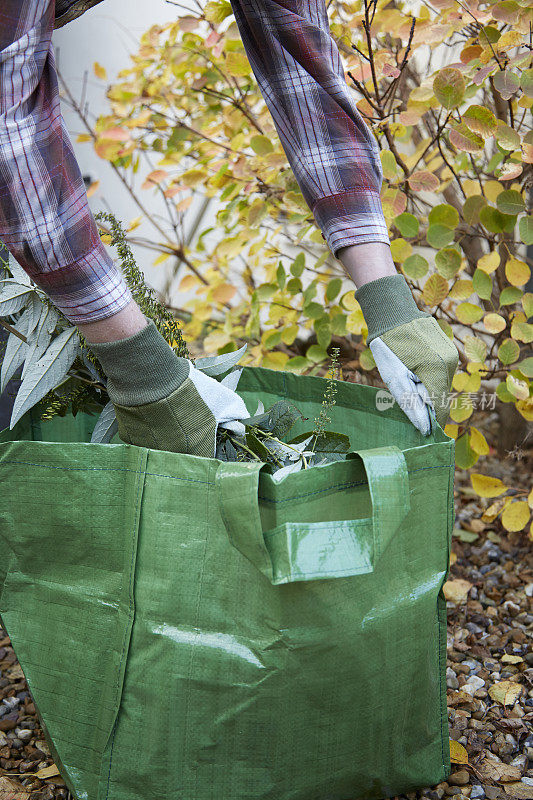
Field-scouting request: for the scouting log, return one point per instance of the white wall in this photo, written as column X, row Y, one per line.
column 108, row 34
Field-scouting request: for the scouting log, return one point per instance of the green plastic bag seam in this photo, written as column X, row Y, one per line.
column 141, row 473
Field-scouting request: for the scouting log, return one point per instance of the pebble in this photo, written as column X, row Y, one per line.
column 460, row 778
column 25, row 734
column 528, row 781
column 451, row 679
column 477, row 791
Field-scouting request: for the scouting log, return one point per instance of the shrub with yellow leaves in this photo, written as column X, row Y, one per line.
column 449, row 98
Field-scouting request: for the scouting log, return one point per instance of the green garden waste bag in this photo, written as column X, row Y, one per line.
column 192, row 630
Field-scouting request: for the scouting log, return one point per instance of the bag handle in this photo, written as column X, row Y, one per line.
column 298, row 551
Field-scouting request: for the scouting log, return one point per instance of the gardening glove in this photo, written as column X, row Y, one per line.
column 162, row 401
column 415, row 358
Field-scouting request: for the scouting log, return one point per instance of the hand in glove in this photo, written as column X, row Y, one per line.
column 414, row 356
column 162, row 401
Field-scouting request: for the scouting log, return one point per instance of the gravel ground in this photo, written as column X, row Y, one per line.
column 489, row 672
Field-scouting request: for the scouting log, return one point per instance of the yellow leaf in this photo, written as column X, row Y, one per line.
column 516, row 516
column 224, row 293
column 237, row 65
column 435, row 290
column 451, row 430
column 494, row 509
column 517, row 272
column 489, row 262
column 517, row 387
column 530, row 499
column 274, row 360
column 458, row 754
column 135, row 223
column 188, row 282
column 478, row 443
column 99, row 71
column 93, row 188
column 84, row 137
column 505, row 692
column 161, row 259
column 106, row 238
column 486, row 486
column 456, row 590
column 349, row 302
column 45, row 772
column 494, row 323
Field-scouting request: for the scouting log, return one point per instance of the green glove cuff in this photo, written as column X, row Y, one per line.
column 142, row 368
column 386, row 303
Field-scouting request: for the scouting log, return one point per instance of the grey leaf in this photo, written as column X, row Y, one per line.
column 95, row 375
column 40, row 339
column 16, row 350
column 231, row 381
column 284, row 471
column 216, row 365
column 106, row 425
column 47, row 373
column 17, row 272
column 13, row 296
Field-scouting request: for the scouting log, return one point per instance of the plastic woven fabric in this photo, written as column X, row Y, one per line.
column 192, row 630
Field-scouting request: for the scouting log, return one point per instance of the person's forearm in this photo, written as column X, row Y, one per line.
column 127, row 322
column 367, row 262
column 45, row 220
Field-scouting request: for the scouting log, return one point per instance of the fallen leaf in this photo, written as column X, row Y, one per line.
column 491, row 768
column 45, row 772
column 520, row 790
column 505, row 692
column 16, row 673
column 11, row 790
column 458, row 754
column 456, row 590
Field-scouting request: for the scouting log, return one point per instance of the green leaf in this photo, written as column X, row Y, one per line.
column 261, row 145
column 480, row 120
column 333, row 289
column 298, row 265
column 281, row 276
column 449, row 87
column 439, row 236
column 510, row 295
column 407, row 224
column 525, row 227
column 475, row 349
column 526, row 82
column 526, row 367
column 471, row 208
column 465, row 457
column 510, row 202
column 493, row 220
column 468, row 313
column 448, row 262
column 508, row 351
column 316, row 353
column 444, row 214
column 415, row 266
column 482, row 284
column 257, row 447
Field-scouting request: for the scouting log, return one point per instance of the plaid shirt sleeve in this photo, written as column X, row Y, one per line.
column 333, row 154
column 44, row 215
column 45, row 220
